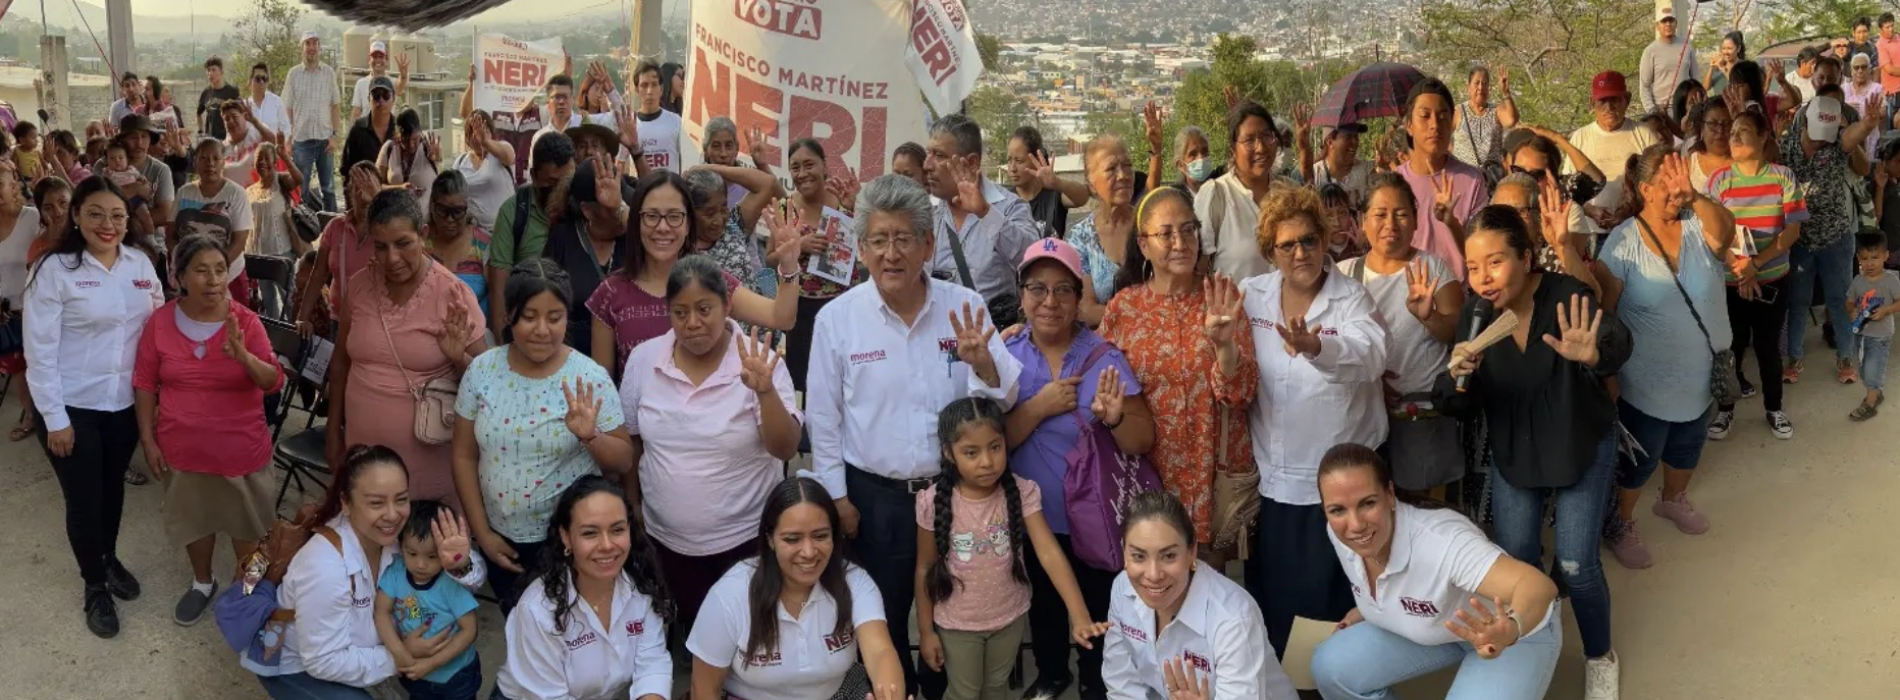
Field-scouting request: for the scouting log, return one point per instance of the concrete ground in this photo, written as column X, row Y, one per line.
column 1784, row 598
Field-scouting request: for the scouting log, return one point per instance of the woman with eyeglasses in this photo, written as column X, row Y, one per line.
column 1322, row 352
column 1227, row 209
column 454, row 239
column 1069, row 373
column 1708, row 152
column 1112, row 181
column 629, row 307
column 1183, row 333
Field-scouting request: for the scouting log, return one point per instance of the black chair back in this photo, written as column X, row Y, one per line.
column 271, row 278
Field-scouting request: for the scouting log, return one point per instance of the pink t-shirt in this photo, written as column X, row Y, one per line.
column 1468, row 195
column 986, row 596
column 210, row 416
column 348, row 253
column 634, row 315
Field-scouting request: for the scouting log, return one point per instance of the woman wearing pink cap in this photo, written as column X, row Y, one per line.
column 1070, row 374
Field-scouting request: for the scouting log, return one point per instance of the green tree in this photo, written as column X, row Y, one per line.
column 268, row 33
column 999, row 113
column 1796, row 19
column 1552, row 48
column 991, row 49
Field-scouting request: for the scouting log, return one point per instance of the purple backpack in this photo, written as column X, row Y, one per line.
column 1100, row 481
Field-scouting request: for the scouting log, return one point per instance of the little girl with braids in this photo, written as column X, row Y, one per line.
column 972, row 527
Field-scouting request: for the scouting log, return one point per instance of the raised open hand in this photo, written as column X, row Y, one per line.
column 844, row 187
column 451, row 539
column 1303, row 125
column 456, row 327
column 755, row 147
column 1577, row 330
column 969, row 188
column 757, row 361
column 583, row 409
column 1504, row 81
column 1444, row 188
column 1151, row 126
column 1554, row 209
column 607, row 183
column 1109, row 394
column 1300, row 338
column 1231, row 93
column 234, row 340
column 1040, row 167
column 1185, row 683
column 1488, row 631
column 1735, row 96
column 973, row 332
column 1674, row 176
column 1222, row 318
column 627, row 126
column 1421, row 282
column 402, row 65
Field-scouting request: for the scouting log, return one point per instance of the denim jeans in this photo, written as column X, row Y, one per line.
column 466, row 684
column 1517, row 518
column 1835, row 266
column 1873, row 361
column 303, row 686
column 316, row 162
column 1679, row 444
column 1363, row 662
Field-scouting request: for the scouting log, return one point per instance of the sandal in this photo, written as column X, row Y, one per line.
column 19, row 432
column 1863, row 412
column 134, row 477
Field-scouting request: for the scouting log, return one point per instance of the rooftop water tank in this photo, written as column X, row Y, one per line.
column 356, row 48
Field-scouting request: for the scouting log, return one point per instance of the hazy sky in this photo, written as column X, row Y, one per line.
column 234, row 8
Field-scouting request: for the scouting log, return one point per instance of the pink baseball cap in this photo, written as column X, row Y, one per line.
column 1052, row 249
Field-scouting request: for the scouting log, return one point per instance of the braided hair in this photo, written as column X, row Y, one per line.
column 556, row 568
column 952, row 421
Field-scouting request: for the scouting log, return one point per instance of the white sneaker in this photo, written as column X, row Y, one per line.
column 1601, row 678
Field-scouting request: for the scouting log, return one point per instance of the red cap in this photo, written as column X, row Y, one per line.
column 1608, row 84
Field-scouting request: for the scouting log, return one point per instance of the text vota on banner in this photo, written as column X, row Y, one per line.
column 833, row 71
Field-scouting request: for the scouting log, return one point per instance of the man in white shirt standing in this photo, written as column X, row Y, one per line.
column 659, row 129
column 1666, row 61
column 981, row 228
column 265, row 104
column 1609, row 141
column 886, row 358
column 310, row 97
column 378, row 68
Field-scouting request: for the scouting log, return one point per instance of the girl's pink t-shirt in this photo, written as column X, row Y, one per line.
column 986, row 596
column 210, row 414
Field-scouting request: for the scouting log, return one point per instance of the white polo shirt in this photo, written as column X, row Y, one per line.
column 1438, row 559
column 810, row 661
column 875, row 385
column 1218, row 631
column 627, row 659
column 1306, row 406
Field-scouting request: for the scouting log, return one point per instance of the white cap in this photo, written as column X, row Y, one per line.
column 1665, row 11
column 1824, row 119
column 310, row 36
column 377, row 47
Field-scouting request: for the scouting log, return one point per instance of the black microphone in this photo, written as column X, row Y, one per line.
column 1480, row 315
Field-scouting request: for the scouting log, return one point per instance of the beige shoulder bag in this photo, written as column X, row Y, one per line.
column 435, row 398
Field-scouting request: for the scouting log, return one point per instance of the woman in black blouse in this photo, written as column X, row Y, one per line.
column 1551, row 420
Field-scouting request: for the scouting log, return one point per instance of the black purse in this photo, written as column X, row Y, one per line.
column 12, row 334
column 1724, row 385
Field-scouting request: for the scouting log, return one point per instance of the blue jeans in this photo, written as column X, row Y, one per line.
column 314, row 159
column 466, row 684
column 303, row 686
column 1363, row 662
column 1835, row 265
column 1679, row 444
column 1873, row 361
column 1517, row 518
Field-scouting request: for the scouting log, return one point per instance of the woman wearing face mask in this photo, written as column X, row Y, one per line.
column 331, row 649
column 1109, row 227
column 764, row 624
column 453, row 238
column 1184, row 334
column 629, row 307
column 1448, row 189
column 1318, row 341
column 1544, row 397
column 1478, row 129
column 806, row 207
column 1177, row 627
column 594, row 621
column 488, row 165
column 532, row 417
column 1228, row 206
column 86, row 303
column 1432, row 593
column 1190, row 161
column 406, row 320
column 1659, row 263
column 204, row 363
column 713, row 415
column 1418, row 295
column 342, row 251
column 411, row 158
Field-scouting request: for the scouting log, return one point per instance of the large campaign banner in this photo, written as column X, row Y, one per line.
column 510, row 72
column 831, row 70
column 943, row 55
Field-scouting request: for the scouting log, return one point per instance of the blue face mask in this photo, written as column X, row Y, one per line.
column 1198, row 169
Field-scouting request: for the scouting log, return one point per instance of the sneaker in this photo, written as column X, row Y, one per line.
column 102, row 614
column 191, row 608
column 1718, row 428
column 1845, row 372
column 1047, row 688
column 1681, row 512
column 1748, row 388
column 1792, row 373
column 1627, row 547
column 1779, row 423
column 119, row 581
column 1601, row 678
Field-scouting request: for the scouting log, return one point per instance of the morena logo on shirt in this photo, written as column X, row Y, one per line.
column 764, row 659
column 1419, row 608
column 860, row 358
column 835, row 643
column 1133, row 632
column 582, row 641
column 636, row 627
column 88, row 284
column 1197, row 661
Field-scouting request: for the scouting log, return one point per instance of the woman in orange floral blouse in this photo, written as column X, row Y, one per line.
column 1184, row 333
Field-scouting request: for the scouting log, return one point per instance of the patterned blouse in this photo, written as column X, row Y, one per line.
column 735, row 254
column 1160, row 335
column 1479, row 139
column 1095, row 261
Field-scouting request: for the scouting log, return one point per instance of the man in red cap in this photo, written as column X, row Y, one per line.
column 1609, row 141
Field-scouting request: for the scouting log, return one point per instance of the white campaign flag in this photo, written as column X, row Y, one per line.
column 510, row 72
column 943, row 55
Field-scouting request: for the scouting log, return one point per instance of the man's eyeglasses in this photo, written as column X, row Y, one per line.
column 673, row 219
column 1306, row 243
column 903, row 241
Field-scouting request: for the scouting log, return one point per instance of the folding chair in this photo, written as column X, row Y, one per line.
column 301, row 455
column 271, row 278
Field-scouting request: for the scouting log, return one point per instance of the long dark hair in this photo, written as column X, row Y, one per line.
column 633, row 252
column 1348, row 455
column 768, row 580
column 939, row 583
column 356, row 460
column 1135, row 269
column 70, row 242
column 642, row 567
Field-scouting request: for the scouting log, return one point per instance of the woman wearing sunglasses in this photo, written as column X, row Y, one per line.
column 454, row 239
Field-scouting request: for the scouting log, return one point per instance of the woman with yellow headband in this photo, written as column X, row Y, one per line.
column 1185, row 335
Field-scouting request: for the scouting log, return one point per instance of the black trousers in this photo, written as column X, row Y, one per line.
column 508, row 585
column 92, row 478
column 1293, row 571
column 1049, row 619
column 798, row 339
column 1758, row 324
column 886, row 548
